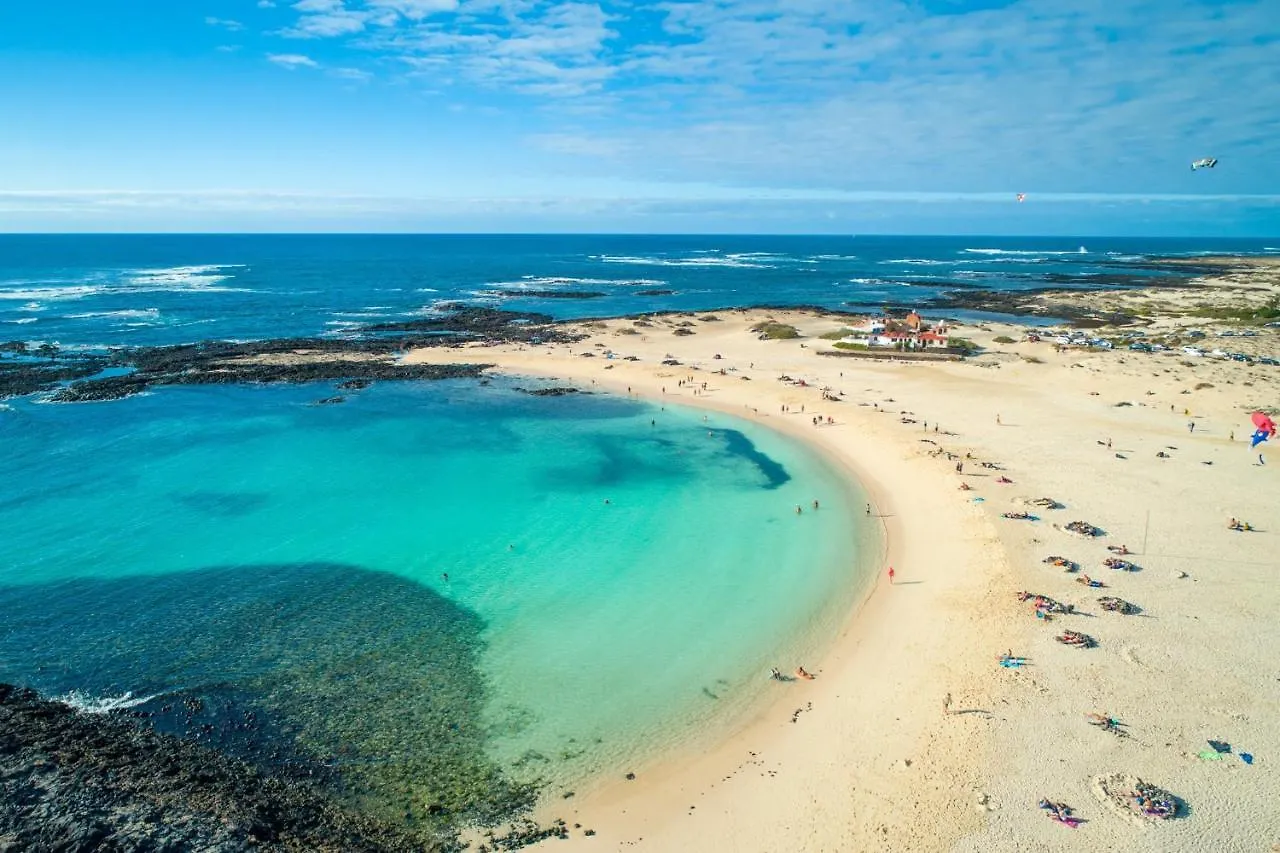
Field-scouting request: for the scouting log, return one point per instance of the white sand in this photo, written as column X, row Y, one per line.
column 876, row 765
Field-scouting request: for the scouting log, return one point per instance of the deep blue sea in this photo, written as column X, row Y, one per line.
column 110, row 290
column 424, row 588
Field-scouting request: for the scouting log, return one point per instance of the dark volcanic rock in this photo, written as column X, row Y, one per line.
column 216, row 372
column 358, row 361
column 549, row 392
column 28, row 377
column 74, row 781
column 654, row 292
column 354, row 384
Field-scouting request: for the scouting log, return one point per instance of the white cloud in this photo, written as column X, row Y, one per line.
column 292, row 60
column 415, row 10
column 1045, row 95
column 266, row 4
column 225, row 23
column 356, row 75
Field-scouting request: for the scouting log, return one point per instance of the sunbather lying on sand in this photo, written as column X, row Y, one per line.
column 1118, row 549
column 1239, row 525
column 1088, row 581
column 1060, row 812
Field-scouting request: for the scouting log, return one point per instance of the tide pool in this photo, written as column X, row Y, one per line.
column 435, row 590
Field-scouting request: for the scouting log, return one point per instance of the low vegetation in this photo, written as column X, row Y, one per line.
column 773, row 331
column 1003, row 339
column 835, row 335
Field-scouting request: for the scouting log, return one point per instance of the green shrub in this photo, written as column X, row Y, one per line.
column 1004, row 339
column 776, row 331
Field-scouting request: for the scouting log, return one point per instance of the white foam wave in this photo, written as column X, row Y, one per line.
column 101, row 704
column 140, row 313
column 866, row 281
column 704, row 261
column 1018, row 252
column 22, row 321
column 51, row 293
column 203, row 278
column 921, row 262
column 536, row 282
column 834, row 257
column 32, row 306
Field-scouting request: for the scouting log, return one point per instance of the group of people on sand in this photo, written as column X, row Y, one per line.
column 1237, row 524
column 801, row 672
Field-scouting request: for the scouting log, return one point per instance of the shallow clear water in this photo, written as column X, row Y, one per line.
column 245, row 541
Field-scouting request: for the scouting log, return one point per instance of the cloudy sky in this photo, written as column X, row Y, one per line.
column 771, row 116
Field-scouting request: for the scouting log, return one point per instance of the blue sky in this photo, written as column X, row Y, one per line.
column 690, row 115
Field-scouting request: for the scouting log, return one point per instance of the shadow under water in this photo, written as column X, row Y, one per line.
column 361, row 679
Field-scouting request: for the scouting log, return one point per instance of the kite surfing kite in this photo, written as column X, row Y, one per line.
column 1204, row 163
column 1265, row 428
column 1022, row 197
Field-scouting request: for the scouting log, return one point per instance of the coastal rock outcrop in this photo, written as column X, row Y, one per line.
column 370, row 355
column 76, row 781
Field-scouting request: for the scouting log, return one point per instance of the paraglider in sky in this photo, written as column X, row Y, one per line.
column 1265, row 428
column 1204, row 163
column 1022, row 197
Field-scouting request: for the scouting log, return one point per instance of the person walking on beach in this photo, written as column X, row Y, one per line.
column 891, row 575
column 868, row 509
column 946, row 704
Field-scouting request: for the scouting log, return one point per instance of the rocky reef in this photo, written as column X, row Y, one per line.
column 368, row 355
column 74, row 781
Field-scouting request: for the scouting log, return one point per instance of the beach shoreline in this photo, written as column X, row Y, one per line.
column 864, row 757
column 741, row 765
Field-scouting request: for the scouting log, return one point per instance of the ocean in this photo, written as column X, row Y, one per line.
column 132, row 290
column 443, row 593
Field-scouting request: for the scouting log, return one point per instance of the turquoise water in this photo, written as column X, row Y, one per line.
column 620, row 577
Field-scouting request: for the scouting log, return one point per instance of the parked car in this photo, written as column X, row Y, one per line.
column 1136, row 347
column 1192, row 351
column 1266, row 359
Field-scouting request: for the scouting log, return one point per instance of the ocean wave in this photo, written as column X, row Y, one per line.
column 22, row 321
column 866, row 281
column 921, row 262
column 834, row 257
column 707, row 261
column 536, row 282
column 149, row 313
column 1021, row 253
column 101, row 704
column 33, row 294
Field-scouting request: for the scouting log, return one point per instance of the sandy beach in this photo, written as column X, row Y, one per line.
column 1151, row 447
